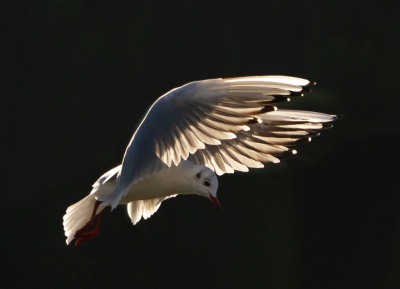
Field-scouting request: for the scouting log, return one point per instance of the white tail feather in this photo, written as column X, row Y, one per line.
column 80, row 213
column 77, row 216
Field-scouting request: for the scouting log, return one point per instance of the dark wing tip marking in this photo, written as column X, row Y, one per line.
column 267, row 108
column 277, row 99
column 338, row 117
column 290, row 152
column 326, row 126
column 295, row 93
column 252, row 121
column 305, row 89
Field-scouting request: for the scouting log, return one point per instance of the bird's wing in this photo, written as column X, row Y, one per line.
column 264, row 141
column 209, row 115
column 144, row 208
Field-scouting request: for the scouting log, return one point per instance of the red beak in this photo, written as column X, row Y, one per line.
column 215, row 202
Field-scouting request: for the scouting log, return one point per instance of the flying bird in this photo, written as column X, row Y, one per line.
column 190, row 135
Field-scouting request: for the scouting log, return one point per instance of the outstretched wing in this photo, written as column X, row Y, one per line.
column 273, row 137
column 205, row 120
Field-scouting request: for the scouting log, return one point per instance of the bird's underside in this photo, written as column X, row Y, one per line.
column 223, row 124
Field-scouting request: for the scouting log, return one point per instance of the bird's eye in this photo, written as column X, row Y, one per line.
column 207, row 183
column 198, row 175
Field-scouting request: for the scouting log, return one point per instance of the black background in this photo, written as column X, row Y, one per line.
column 77, row 78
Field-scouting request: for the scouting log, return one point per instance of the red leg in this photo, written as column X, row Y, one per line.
column 89, row 224
column 90, row 235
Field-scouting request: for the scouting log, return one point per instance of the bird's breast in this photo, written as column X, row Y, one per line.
column 174, row 180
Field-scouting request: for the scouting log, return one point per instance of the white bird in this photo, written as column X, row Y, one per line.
column 192, row 133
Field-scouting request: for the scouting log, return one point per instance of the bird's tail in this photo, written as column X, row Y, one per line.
column 78, row 215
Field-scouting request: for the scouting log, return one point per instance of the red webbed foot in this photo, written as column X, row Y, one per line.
column 87, row 236
column 82, row 230
column 81, row 236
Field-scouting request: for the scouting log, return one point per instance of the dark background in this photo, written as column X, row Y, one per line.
column 78, row 76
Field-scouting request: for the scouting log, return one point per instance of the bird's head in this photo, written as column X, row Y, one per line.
column 206, row 184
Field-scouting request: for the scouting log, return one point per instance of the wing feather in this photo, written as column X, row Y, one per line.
column 264, row 141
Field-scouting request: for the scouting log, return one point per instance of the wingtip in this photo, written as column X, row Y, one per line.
column 326, row 126
column 305, row 89
column 268, row 108
column 337, row 117
column 296, row 93
column 254, row 120
column 277, row 99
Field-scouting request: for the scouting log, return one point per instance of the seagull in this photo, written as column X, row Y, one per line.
column 190, row 135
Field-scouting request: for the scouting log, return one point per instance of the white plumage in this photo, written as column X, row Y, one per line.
column 216, row 125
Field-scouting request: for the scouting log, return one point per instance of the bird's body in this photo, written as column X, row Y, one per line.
column 191, row 134
column 170, row 182
column 143, row 198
